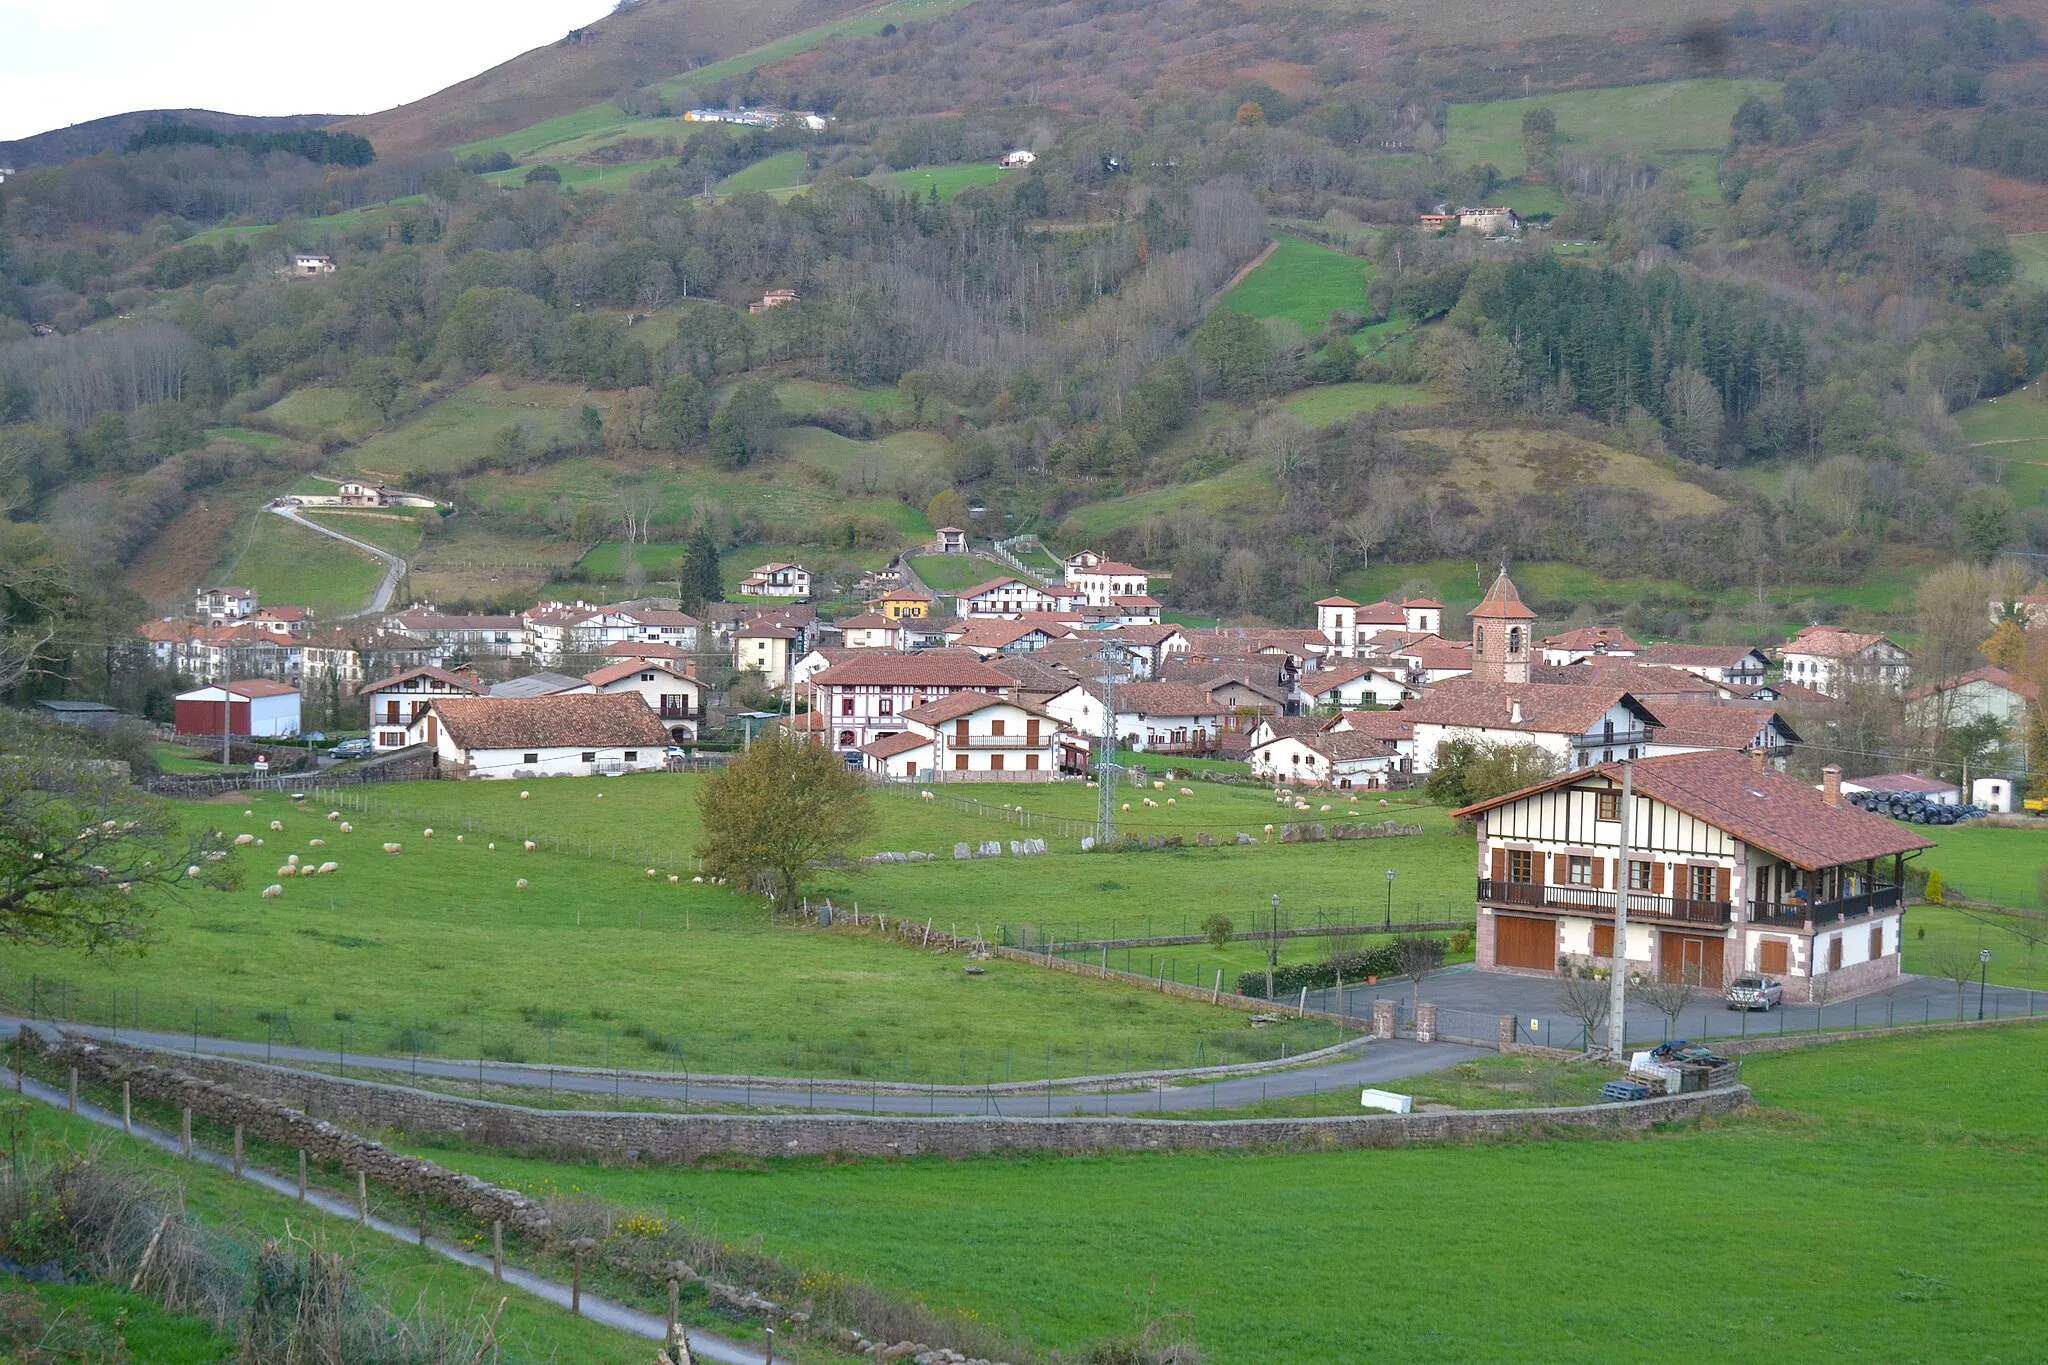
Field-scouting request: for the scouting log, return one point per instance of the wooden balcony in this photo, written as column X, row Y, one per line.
column 1591, row 900
column 1877, row 900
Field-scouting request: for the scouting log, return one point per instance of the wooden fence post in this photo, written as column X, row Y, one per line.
column 498, row 1249
column 238, row 1149
column 185, row 1130
column 302, row 1175
column 74, row 1089
column 362, row 1197
column 127, row 1112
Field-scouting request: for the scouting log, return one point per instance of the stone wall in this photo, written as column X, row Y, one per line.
column 1780, row 1042
column 233, row 1091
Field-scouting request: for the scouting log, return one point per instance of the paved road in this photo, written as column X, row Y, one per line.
column 594, row 1306
column 1380, row 1063
column 1471, row 1003
column 394, row 567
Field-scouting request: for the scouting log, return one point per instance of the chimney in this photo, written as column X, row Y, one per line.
column 1831, row 786
column 1514, row 711
column 1757, row 761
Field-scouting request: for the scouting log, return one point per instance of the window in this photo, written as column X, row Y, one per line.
column 1638, row 875
column 1835, row 953
column 1031, row 763
column 1876, row 942
column 1603, row 940
column 845, row 737
column 530, row 758
column 960, row 762
column 995, row 763
column 995, row 727
column 888, row 706
column 1521, row 866
column 846, row 706
column 1579, row 871
column 1772, row 956
column 1700, row 881
column 632, row 755
column 590, row 755
column 1607, row 806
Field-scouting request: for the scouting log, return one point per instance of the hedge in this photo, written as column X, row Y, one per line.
column 1289, row 979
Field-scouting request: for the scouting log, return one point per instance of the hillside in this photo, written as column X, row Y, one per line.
column 639, row 44
column 106, row 134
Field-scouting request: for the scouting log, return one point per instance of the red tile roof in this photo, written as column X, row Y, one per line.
column 467, row 686
column 1997, row 677
column 1829, row 642
column 1591, row 638
column 1501, row 603
column 1715, row 727
column 954, row 705
column 644, row 649
column 927, row 668
column 626, row 668
column 1697, row 656
column 1166, row 699
column 1778, row 814
column 1386, row 725
column 1545, row 708
column 577, row 720
column 1335, row 602
column 868, row 620
column 888, row 746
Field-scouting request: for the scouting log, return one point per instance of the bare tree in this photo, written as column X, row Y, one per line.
column 1586, row 999
column 1958, row 963
column 1673, row 996
column 1416, row 958
column 2029, row 926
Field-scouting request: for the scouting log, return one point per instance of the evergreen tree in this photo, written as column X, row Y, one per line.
column 699, row 583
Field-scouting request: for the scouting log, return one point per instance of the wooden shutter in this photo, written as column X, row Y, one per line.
column 1835, row 953
column 1031, row 730
column 1599, row 870
column 960, row 731
column 960, row 762
column 1771, row 956
column 1500, row 864
column 1031, row 763
column 1721, row 884
column 1656, row 879
column 1603, row 940
column 1876, row 942
column 1561, row 869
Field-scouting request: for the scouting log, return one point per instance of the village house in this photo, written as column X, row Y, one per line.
column 1588, row 642
column 399, row 700
column 774, row 298
column 1016, row 160
column 865, row 697
column 1352, row 686
column 871, row 630
column 1684, row 728
column 1392, row 728
column 1830, row 660
column 1349, row 628
column 777, row 580
column 1733, row 666
column 564, row 735
column 903, row 604
column 308, row 265
column 952, row 540
column 1731, row 869
column 1577, row 726
column 1648, row 685
column 1168, row 718
column 340, row 659
column 471, row 637
column 1425, row 661
column 286, row 621
column 1102, row 582
column 1980, row 694
column 768, row 648
column 1343, row 760
column 223, row 606
column 557, row 630
column 988, row 636
column 257, row 707
column 969, row 736
column 539, row 684
column 1008, row 596
column 671, row 690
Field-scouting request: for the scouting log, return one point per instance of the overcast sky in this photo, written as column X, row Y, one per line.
column 67, row 61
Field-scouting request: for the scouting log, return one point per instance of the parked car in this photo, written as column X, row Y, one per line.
column 352, row 748
column 1755, row 993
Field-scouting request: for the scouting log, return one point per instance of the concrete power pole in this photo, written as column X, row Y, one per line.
column 1617, row 1026
column 1105, row 764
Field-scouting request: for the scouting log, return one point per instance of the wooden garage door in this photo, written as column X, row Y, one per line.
column 1524, row 941
column 1689, row 952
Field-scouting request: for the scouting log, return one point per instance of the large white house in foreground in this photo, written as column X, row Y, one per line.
column 1732, row 868
column 563, row 735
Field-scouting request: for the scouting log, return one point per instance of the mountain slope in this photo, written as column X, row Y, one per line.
column 105, row 134
column 651, row 41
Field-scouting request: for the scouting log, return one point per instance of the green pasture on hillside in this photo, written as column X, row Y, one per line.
column 950, row 180
column 584, row 174
column 1985, row 863
column 1934, row 931
column 1304, row 282
column 398, row 534
column 1327, row 403
column 810, row 395
column 901, row 459
column 284, row 563
column 463, row 426
column 315, row 412
column 2011, row 431
column 92, row 1318
column 770, row 173
column 437, row 950
column 952, row 573
column 2030, row 252
column 1898, row 1186
column 396, row 1275
column 1689, row 116
column 1239, row 495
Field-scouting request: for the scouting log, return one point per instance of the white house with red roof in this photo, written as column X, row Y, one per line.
column 1102, row 582
column 1588, row 642
column 670, row 688
column 1339, row 759
column 1830, row 660
column 969, row 736
column 865, row 696
column 1355, row 684
column 223, row 606
column 1168, row 717
column 1009, row 596
column 395, row 702
column 777, row 580
column 872, row 630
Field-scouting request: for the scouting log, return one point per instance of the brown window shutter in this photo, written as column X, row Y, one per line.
column 1656, row 879
column 1603, row 940
column 960, row 731
column 1721, row 884
column 1500, row 864
column 1561, row 869
column 1599, row 867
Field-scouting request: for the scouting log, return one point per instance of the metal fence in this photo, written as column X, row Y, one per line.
column 1712, row 1021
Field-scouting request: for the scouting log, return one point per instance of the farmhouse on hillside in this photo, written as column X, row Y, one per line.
column 399, row 700
column 777, row 580
column 564, row 735
column 1830, row 660
column 1732, row 869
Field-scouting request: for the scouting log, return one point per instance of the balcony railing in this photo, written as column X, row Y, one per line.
column 1592, row 900
column 680, row 713
column 1878, row 899
column 1000, row 742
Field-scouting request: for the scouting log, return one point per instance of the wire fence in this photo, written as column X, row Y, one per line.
column 1122, row 932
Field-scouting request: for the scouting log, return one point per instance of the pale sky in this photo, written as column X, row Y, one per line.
column 67, row 61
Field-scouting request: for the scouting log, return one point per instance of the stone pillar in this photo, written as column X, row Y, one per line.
column 1425, row 1023
column 1382, row 1018
column 1509, row 1026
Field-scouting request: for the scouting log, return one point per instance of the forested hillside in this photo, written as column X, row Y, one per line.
column 1731, row 371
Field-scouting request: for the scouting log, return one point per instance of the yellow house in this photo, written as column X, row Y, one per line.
column 903, row 604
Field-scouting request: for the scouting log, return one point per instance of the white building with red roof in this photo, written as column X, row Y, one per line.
column 1588, row 642
column 1830, row 660
column 1102, row 582
column 670, row 688
column 865, row 696
column 398, row 700
column 777, row 579
column 968, row 736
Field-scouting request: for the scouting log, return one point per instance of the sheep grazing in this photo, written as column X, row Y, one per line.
column 1169, row 800
column 458, row 838
column 326, row 868
column 1269, row 831
column 491, row 847
column 288, row 870
column 334, row 815
column 600, row 796
column 241, row 839
column 531, row 846
column 524, row 795
column 347, row 828
column 1325, row 810
column 427, row 833
column 1159, row 786
column 521, row 883
column 394, row 848
column 1187, row 791
column 193, row 870
column 651, row 872
column 248, row 814
column 926, row 796
column 316, row 843
column 293, row 859
column 1150, row 802
column 673, row 879
column 277, row 826
column 696, row 881
column 1127, row 805
column 272, row 892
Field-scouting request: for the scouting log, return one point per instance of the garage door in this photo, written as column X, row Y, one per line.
column 1524, row 941
column 1691, row 954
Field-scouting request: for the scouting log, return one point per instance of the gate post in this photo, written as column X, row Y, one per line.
column 1383, row 1018
column 1425, row 1023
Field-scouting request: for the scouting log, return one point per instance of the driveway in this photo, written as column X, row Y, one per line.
column 1471, row 1003
column 394, row 567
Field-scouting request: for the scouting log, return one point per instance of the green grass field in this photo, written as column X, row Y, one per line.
column 1989, row 864
column 1328, row 403
column 2013, row 431
column 1303, row 281
column 94, row 1322
column 312, row 413
column 437, row 950
column 398, row 534
column 868, row 468
column 1936, row 930
column 284, row 563
column 950, row 180
column 952, row 573
column 1898, row 1186
column 2030, row 252
column 395, row 1274
column 809, row 395
column 1242, row 494
column 770, row 173
column 584, row 174
column 462, row 426
column 1651, row 120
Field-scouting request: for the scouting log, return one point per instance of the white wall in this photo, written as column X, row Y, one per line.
column 552, row 762
column 274, row 716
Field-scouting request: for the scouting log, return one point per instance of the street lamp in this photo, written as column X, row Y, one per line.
column 1983, row 971
column 1390, row 900
column 1273, row 945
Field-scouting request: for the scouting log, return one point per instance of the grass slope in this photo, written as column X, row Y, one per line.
column 1329, row 403
column 398, row 534
column 462, row 426
column 1303, row 281
column 770, row 173
column 1650, row 120
column 100, row 1322
column 286, row 563
column 1242, row 494
column 1897, row 1220
column 2030, row 250
column 1989, row 864
column 2013, row 431
column 950, row 180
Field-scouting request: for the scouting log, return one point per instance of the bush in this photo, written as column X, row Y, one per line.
column 1217, row 929
column 1289, row 979
column 1935, row 891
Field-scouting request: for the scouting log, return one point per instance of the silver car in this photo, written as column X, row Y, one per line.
column 1755, row 993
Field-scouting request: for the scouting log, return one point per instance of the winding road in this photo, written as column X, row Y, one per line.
column 394, row 567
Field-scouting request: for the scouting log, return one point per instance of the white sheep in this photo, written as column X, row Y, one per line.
column 696, row 881
column 673, row 879
column 272, row 892
column 292, row 858
column 1127, row 805
column 491, row 847
column 328, row 867
column 427, row 833
column 334, row 815
column 926, row 796
column 394, row 848
column 259, row 841
column 1325, row 810
column 524, row 795
column 1169, row 800
column 193, row 870
column 248, row 814
column 316, row 843
column 241, row 839
column 458, row 838
column 288, row 870
column 651, row 872
column 277, row 826
column 1150, row 802
column 600, row 796
column 347, row 828
column 521, row 883
column 1187, row 791
column 1158, row 786
column 1269, row 830
column 531, row 846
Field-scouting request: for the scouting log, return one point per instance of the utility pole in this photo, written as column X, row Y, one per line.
column 1617, row 1025
column 1105, row 763
column 1272, row 945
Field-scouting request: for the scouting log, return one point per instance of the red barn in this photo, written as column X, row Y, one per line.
column 256, row 707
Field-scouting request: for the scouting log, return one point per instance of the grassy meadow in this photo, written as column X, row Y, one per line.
column 770, row 173
column 287, row 563
column 1988, row 864
column 1655, row 121
column 1241, row 494
column 398, row 534
column 1937, row 930
column 1901, row 1182
column 1326, row 404
column 953, row 573
column 462, row 426
column 949, row 180
column 2012, row 431
column 1302, row 281
column 2030, row 253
